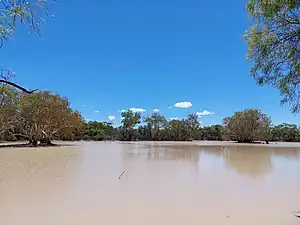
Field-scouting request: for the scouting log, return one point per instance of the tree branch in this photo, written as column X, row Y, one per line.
column 17, row 86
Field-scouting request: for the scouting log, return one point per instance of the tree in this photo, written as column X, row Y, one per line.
column 75, row 130
column 193, row 126
column 213, row 132
column 44, row 115
column 99, row 131
column 9, row 117
column 247, row 126
column 178, row 130
column 13, row 13
column 285, row 132
column 274, row 46
column 129, row 121
column 155, row 123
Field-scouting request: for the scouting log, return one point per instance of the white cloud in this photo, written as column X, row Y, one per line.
column 111, row 117
column 84, row 105
column 96, row 111
column 173, row 118
column 137, row 110
column 184, row 105
column 204, row 113
column 156, row 110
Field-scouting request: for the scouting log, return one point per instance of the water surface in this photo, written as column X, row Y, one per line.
column 164, row 184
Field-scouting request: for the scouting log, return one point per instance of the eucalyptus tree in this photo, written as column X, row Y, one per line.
column 155, row 123
column 274, row 46
column 248, row 126
column 44, row 115
column 129, row 121
column 9, row 118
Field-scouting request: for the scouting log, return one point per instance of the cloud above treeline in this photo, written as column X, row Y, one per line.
column 183, row 105
column 135, row 110
column 204, row 113
column 97, row 111
column 138, row 110
column 111, row 117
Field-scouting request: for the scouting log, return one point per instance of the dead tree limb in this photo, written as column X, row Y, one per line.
column 121, row 175
column 17, row 86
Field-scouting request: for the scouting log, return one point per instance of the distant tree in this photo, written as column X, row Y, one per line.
column 178, row 130
column 144, row 133
column 274, row 46
column 129, row 121
column 99, row 131
column 247, row 126
column 155, row 123
column 285, row 132
column 30, row 13
column 193, row 126
column 213, row 132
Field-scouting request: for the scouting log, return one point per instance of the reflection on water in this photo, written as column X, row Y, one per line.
column 165, row 183
column 253, row 161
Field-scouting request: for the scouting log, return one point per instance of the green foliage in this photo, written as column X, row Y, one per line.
column 27, row 12
column 193, row 126
column 155, row 124
column 99, row 131
column 274, row 46
column 285, row 132
column 129, row 121
column 14, row 13
column 247, row 126
column 213, row 132
column 9, row 98
column 43, row 116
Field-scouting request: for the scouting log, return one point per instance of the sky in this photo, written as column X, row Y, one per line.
column 178, row 57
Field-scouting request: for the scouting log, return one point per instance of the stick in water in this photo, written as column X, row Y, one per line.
column 121, row 175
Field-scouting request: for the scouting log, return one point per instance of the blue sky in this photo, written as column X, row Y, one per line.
column 105, row 56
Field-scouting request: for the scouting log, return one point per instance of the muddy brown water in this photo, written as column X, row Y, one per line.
column 164, row 184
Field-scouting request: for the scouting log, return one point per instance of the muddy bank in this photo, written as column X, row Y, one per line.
column 29, row 145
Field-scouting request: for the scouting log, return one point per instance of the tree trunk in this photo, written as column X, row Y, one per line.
column 33, row 142
column 46, row 141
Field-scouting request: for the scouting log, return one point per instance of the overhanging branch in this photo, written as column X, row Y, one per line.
column 17, row 86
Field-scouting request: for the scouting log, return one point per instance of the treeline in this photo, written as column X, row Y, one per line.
column 249, row 126
column 43, row 116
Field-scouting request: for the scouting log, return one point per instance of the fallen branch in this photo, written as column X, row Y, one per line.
column 17, row 86
column 121, row 175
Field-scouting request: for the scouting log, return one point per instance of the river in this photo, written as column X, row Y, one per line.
column 163, row 184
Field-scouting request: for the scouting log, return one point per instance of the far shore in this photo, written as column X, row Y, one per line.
column 58, row 143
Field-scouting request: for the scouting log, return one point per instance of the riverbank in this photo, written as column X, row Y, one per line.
column 58, row 143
